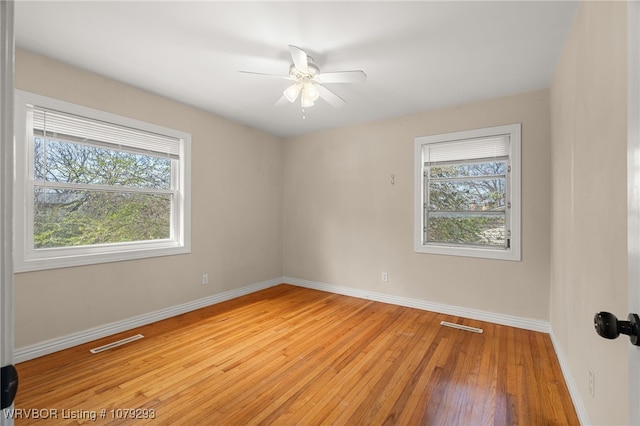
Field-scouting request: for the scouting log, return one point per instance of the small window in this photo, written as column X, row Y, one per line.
column 467, row 193
column 94, row 187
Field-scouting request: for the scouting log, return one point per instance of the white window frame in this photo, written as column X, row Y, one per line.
column 27, row 258
column 513, row 220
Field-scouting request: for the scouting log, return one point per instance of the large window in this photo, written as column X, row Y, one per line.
column 467, row 199
column 94, row 187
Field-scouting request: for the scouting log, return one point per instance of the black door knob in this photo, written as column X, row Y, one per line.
column 609, row 327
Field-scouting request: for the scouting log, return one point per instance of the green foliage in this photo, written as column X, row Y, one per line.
column 101, row 217
column 467, row 230
column 66, row 217
column 467, row 204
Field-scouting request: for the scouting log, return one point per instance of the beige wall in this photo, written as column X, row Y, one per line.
column 236, row 215
column 344, row 223
column 589, row 240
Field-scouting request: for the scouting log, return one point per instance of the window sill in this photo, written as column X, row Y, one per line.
column 496, row 254
column 116, row 254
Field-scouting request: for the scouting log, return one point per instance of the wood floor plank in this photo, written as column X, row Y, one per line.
column 289, row 355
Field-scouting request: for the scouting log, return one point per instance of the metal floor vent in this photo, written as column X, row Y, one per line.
column 461, row 327
column 115, row 344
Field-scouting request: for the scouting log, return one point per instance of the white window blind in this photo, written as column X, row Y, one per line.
column 94, row 132
column 486, row 148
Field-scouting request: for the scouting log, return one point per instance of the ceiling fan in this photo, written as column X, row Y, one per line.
column 308, row 81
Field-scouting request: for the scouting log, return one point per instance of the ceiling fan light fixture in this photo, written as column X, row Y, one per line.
column 306, row 101
column 311, row 91
column 291, row 92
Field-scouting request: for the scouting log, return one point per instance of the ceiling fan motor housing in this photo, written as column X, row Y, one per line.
column 311, row 66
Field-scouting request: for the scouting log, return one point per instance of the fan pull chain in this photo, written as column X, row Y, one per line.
column 304, row 117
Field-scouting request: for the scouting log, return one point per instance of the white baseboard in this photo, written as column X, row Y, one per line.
column 502, row 319
column 578, row 403
column 47, row 347
column 43, row 348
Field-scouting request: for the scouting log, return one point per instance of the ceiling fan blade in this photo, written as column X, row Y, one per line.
column 282, row 101
column 299, row 57
column 285, row 77
column 333, row 99
column 341, row 77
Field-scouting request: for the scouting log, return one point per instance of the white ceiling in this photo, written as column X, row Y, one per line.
column 417, row 55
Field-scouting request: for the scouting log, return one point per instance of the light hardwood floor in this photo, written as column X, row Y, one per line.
column 289, row 355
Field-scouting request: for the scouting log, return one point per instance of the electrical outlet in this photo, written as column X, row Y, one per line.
column 205, row 279
column 385, row 277
column 592, row 383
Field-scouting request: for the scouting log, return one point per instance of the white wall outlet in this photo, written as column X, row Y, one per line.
column 592, row 383
column 205, row 279
column 385, row 277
